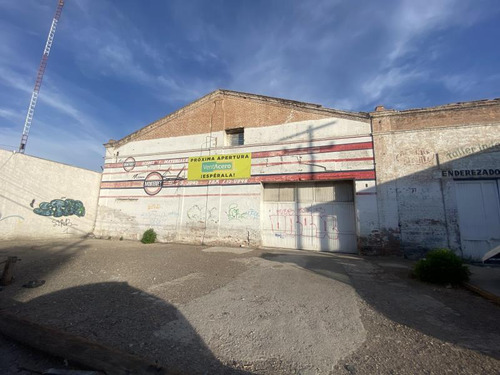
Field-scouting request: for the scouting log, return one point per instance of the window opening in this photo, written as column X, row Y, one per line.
column 235, row 137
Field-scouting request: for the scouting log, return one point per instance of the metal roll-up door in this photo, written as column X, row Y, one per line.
column 312, row 216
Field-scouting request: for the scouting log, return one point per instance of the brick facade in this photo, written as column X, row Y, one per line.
column 458, row 114
column 223, row 109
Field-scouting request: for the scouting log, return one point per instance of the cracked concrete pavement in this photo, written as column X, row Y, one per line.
column 238, row 310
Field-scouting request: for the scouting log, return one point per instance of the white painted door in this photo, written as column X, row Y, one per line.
column 479, row 216
column 311, row 216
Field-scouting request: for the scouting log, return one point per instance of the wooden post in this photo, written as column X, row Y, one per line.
column 76, row 349
column 8, row 271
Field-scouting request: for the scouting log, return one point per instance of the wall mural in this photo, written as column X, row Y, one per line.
column 60, row 207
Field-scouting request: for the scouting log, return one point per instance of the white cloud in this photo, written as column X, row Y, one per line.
column 11, row 114
column 459, row 83
column 393, row 78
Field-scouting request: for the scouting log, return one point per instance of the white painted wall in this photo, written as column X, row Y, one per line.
column 26, row 181
column 229, row 211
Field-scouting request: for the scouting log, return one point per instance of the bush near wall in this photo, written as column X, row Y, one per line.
column 149, row 236
column 441, row 266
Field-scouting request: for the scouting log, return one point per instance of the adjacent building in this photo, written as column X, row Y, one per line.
column 438, row 173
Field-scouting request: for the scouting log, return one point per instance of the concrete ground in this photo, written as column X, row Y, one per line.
column 211, row 310
column 486, row 278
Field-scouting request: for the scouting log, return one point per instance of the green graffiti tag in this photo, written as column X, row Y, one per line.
column 61, row 207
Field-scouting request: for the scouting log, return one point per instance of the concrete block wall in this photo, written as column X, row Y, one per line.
column 41, row 199
column 417, row 206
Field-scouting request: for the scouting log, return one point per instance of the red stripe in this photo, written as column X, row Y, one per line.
column 121, row 184
column 178, row 196
column 263, row 154
column 344, row 175
column 306, row 162
column 134, row 171
column 316, row 149
column 356, row 175
column 150, row 162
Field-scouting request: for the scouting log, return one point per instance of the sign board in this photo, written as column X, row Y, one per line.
column 220, row 167
column 470, row 173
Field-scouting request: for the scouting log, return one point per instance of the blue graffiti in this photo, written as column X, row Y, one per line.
column 10, row 217
column 61, row 207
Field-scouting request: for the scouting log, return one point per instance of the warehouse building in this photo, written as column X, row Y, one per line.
column 243, row 169
column 250, row 170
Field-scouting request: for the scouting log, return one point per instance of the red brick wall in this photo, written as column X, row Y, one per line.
column 482, row 112
column 220, row 111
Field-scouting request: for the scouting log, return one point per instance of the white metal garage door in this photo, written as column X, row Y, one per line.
column 479, row 216
column 311, row 216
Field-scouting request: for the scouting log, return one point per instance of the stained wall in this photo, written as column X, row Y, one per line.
column 414, row 150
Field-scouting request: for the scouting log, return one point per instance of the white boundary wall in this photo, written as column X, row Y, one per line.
column 27, row 182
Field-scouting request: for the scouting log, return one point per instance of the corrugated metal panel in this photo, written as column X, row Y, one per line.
column 324, row 192
column 271, row 192
column 287, row 193
column 305, row 192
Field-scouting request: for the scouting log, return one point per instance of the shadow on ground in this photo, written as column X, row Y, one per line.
column 119, row 316
column 111, row 313
column 455, row 316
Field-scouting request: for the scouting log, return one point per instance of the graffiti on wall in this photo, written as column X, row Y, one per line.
column 289, row 222
column 61, row 207
column 198, row 214
column 170, row 177
column 20, row 218
column 234, row 213
column 159, row 218
column 64, row 224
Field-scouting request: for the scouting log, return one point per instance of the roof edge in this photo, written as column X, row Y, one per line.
column 444, row 107
column 293, row 103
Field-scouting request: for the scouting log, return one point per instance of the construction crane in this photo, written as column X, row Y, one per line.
column 39, row 77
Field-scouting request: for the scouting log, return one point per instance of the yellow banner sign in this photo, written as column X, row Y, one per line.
column 219, row 167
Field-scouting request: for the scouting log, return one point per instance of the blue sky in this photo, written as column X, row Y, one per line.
column 118, row 65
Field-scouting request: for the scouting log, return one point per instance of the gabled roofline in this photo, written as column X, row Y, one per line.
column 269, row 99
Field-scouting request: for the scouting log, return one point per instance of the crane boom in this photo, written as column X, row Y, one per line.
column 39, row 77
